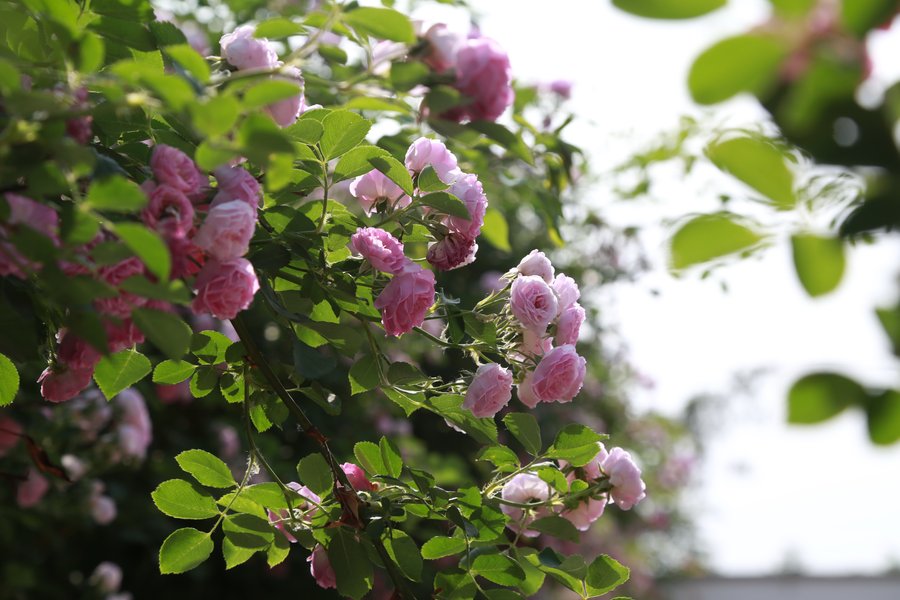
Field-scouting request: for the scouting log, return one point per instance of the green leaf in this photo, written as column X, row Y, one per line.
column 883, row 414
column 819, row 262
column 792, row 8
column 534, row 577
column 204, row 381
column 395, row 171
column 604, row 575
column 369, row 457
column 183, row 550
column 215, row 117
column 502, row 457
column 576, row 444
column 315, row 473
column 390, row 456
column 403, row 551
column 820, row 396
column 447, row 204
column 357, row 162
column 235, row 555
column 308, row 131
column 557, row 527
column 524, row 428
column 382, row 23
column 352, row 567
column 276, row 28
column 407, row 75
column 165, row 330
column 861, row 16
column 91, row 52
column 190, row 60
column 455, row 585
column 267, row 92
column 495, row 230
column 506, row 138
column 9, row 381
column 312, row 363
column 118, row 371
column 498, row 568
column 364, row 375
column 182, row 500
column 248, row 531
column 116, row 194
column 277, row 551
column 206, row 468
column 210, row 346
column 342, row 131
column 170, row 372
column 440, row 546
column 745, row 63
column 669, row 9
column 707, row 237
column 148, row 246
column 428, row 181
column 759, row 164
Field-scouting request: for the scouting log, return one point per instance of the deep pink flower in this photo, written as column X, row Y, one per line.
column 30, row 491
column 533, row 302
column 625, row 477
column 382, row 250
column 566, row 291
column 468, row 189
column 405, row 301
column 536, row 263
column 374, row 188
column 452, row 252
column 76, row 353
column 64, row 383
column 225, row 288
column 113, row 275
column 425, row 152
column 236, row 183
column 525, row 488
column 559, row 375
column 484, row 76
column 122, row 334
column 320, row 568
column 357, row 478
column 173, row 167
column 168, row 211
column 227, row 230
column 569, row 324
column 174, row 393
column 10, row 434
column 244, row 51
column 490, row 390
column 24, row 212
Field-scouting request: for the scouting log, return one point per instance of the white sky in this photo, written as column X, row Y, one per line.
column 823, row 496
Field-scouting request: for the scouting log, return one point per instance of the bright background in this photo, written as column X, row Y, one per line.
column 769, row 497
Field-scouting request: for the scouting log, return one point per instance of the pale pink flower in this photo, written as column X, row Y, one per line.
column 562, row 88
column 468, row 189
column 74, row 466
column 236, row 183
column 625, row 478
column 168, row 211
column 405, row 301
column 304, row 510
column 484, row 76
column 534, row 343
column 532, row 302
column 135, row 430
column 10, row 434
column 589, row 509
column 566, row 291
column 382, row 250
column 286, row 111
column 375, row 187
column 525, row 488
column 537, row 263
column 227, row 230
column 174, row 168
column 452, row 252
column 64, row 383
column 569, row 324
column 425, row 152
column 525, row 391
column 32, row 490
column 103, row 509
column 490, row 390
column 559, row 375
column 244, row 51
column 443, row 45
column 357, row 478
column 225, row 288
column 107, row 577
column 320, row 568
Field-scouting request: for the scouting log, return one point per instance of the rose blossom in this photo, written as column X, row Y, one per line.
column 443, row 45
column 33, row 215
column 168, row 211
column 357, row 478
column 122, row 335
column 625, row 478
column 227, row 230
column 173, row 167
column 75, row 467
column 244, row 51
column 76, row 353
column 382, row 250
column 305, row 507
column 452, row 252
column 524, row 488
column 535, row 343
column 236, row 183
column 569, row 325
column 589, row 509
column 426, row 152
column 484, row 75
column 562, row 88
column 30, row 491
column 107, row 577
column 525, row 391
column 225, row 288
column 559, row 375
column 490, row 390
column 375, row 187
column 135, row 429
column 405, row 301
column 64, row 383
column 286, row 111
column 536, row 263
column 566, row 291
column 103, row 509
column 468, row 189
column 320, row 568
column 10, row 432
column 532, row 302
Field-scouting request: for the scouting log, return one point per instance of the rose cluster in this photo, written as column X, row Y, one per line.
column 481, row 68
column 244, row 51
column 614, row 475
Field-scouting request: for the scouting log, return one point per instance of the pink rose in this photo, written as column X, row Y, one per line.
column 375, row 187
column 405, row 301
column 64, row 384
column 425, row 152
column 113, row 275
column 74, row 466
column 227, row 230
column 534, row 343
column 559, row 375
column 10, row 433
column 525, row 488
column 103, row 509
column 306, row 506
column 525, row 391
column 107, row 577
column 468, row 189
column 562, row 88
column 566, row 291
column 135, row 428
column 320, row 568
column 122, row 335
column 357, row 478
column 589, row 509
column 569, row 325
column 236, row 183
column 483, row 75
column 33, row 215
column 286, row 111
column 187, row 257
column 625, row 478
column 452, row 252
column 225, row 288
column 244, row 51
column 490, row 390
column 76, row 353
column 174, row 393
column 382, row 250
column 532, row 302
column 168, row 211
column 443, row 45
column 173, row 167
column 30, row 491
column 536, row 263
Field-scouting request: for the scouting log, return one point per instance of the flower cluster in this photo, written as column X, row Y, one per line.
column 481, row 68
column 244, row 51
column 611, row 476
